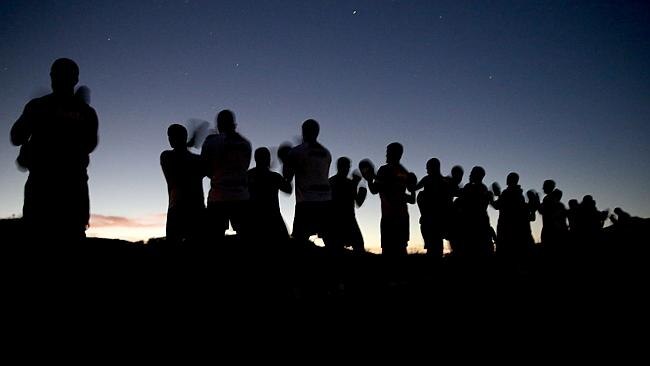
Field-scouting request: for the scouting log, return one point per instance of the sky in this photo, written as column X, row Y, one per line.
column 550, row 89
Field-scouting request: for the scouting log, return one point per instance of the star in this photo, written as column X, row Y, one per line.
column 354, row 12
column 108, row 38
column 490, row 77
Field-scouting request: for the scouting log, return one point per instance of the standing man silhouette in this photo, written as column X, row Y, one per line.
column 184, row 172
column 391, row 182
column 267, row 224
column 310, row 163
column 346, row 194
column 227, row 156
column 57, row 133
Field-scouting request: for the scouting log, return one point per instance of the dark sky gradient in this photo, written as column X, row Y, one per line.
column 550, row 89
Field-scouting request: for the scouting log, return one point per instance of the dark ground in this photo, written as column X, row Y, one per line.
column 140, row 290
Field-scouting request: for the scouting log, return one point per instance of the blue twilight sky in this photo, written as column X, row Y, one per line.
column 550, row 89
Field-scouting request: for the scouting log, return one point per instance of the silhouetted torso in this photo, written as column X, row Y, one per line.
column 345, row 230
column 344, row 193
column 184, row 172
column 513, row 228
column 266, row 219
column 393, row 179
column 310, row 163
column 263, row 186
column 227, row 157
column 57, row 133
column 477, row 233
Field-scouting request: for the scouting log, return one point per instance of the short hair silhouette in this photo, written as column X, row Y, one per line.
column 512, row 179
column 262, row 157
column 457, row 174
column 177, row 135
column 394, row 152
column 477, row 174
column 343, row 165
column 548, row 186
column 310, row 130
column 64, row 75
column 433, row 166
column 226, row 121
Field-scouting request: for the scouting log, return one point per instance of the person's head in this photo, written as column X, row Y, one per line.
column 226, row 121
column 512, row 179
column 262, row 158
column 64, row 75
column 548, row 186
column 588, row 201
column 457, row 173
column 477, row 174
column 394, row 152
column 573, row 204
column 343, row 166
column 433, row 166
column 177, row 135
column 622, row 215
column 310, row 130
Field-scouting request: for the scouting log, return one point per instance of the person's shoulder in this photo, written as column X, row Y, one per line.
column 39, row 102
column 244, row 139
column 298, row 149
column 210, row 139
column 165, row 155
column 87, row 108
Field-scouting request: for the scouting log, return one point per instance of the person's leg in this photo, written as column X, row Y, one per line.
column 239, row 216
column 218, row 221
column 300, row 231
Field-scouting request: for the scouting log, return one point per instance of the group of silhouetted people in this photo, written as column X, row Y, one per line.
column 57, row 133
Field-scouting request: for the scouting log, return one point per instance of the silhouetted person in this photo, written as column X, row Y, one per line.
column 554, row 229
column 57, row 133
column 572, row 215
column 620, row 217
column 514, row 237
column 476, row 237
column 434, row 203
column 227, row 155
column 590, row 220
column 310, row 162
column 454, row 228
column 346, row 193
column 184, row 172
column 391, row 182
column 266, row 221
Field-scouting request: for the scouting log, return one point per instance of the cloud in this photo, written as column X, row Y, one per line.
column 106, row 221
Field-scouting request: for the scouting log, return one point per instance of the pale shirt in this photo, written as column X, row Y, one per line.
column 311, row 165
column 227, row 158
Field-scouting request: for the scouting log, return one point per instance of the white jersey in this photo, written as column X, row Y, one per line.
column 311, row 165
column 227, row 158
